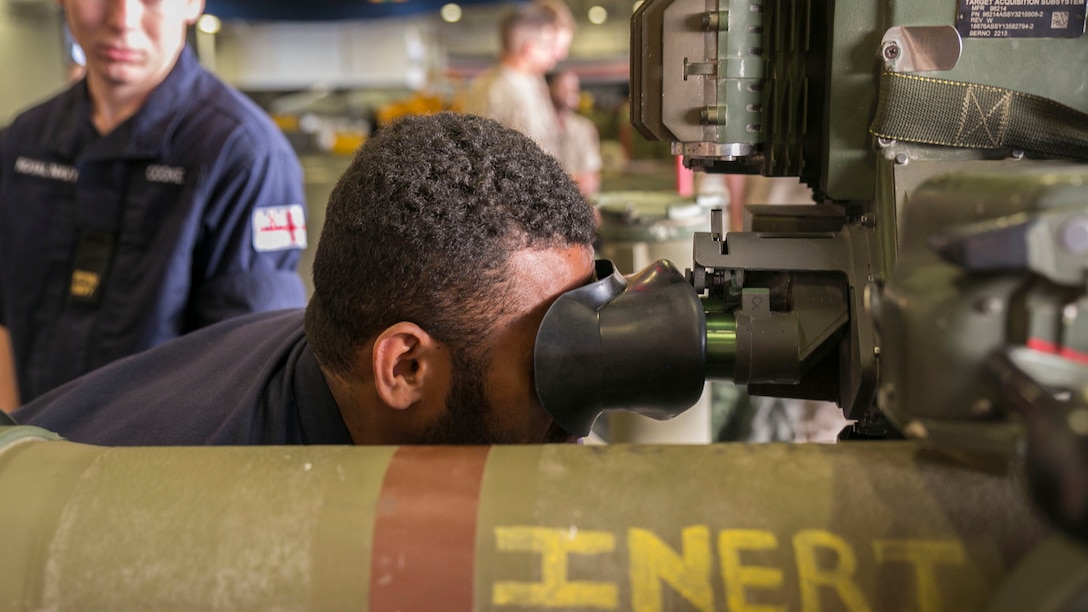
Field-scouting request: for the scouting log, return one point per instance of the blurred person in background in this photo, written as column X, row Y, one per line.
column 564, row 26
column 147, row 200
column 579, row 141
column 534, row 37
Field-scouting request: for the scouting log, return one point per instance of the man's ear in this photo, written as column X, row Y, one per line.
column 193, row 10
column 403, row 358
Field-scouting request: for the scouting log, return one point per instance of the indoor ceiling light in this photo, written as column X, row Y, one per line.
column 209, row 24
column 451, row 13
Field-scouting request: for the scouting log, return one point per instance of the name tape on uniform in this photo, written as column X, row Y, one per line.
column 46, row 169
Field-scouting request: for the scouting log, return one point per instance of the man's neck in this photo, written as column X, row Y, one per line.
column 111, row 106
column 357, row 403
column 112, row 103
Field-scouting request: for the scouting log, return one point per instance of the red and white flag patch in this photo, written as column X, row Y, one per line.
column 278, row 228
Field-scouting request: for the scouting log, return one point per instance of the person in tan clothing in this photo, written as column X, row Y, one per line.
column 579, row 141
column 513, row 91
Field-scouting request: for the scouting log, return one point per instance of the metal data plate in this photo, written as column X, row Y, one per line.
column 1021, row 18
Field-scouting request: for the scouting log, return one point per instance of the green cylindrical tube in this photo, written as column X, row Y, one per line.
column 873, row 525
column 721, row 345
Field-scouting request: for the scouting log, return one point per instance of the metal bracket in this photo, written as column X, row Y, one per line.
column 921, row 48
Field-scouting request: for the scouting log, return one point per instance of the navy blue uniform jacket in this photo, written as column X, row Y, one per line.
column 249, row 380
column 192, row 211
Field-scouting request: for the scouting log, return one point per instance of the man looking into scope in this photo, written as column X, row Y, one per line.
column 445, row 241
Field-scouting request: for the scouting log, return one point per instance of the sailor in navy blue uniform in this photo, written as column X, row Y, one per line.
column 190, row 212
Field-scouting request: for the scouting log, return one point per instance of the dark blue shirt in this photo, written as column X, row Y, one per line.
column 190, row 212
column 249, row 380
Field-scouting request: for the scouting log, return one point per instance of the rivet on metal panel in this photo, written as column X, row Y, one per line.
column 988, row 306
column 716, row 21
column 1069, row 314
column 1078, row 421
column 901, row 159
column 1074, row 235
column 713, row 115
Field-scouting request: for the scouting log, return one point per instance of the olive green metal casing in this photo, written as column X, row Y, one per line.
column 938, row 322
column 816, row 76
column 944, row 256
column 882, row 526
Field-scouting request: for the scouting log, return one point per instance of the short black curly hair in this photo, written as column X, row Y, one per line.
column 419, row 228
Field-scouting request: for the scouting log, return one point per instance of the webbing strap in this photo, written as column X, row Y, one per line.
column 951, row 113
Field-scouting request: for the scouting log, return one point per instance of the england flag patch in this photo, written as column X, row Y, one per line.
column 278, row 228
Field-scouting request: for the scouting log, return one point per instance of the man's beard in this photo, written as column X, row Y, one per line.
column 468, row 418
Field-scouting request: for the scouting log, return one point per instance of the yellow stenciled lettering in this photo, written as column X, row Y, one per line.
column 554, row 590
column 923, row 555
column 840, row 577
column 653, row 561
column 737, row 576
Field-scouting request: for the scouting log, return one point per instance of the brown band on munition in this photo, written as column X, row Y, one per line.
column 425, row 529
